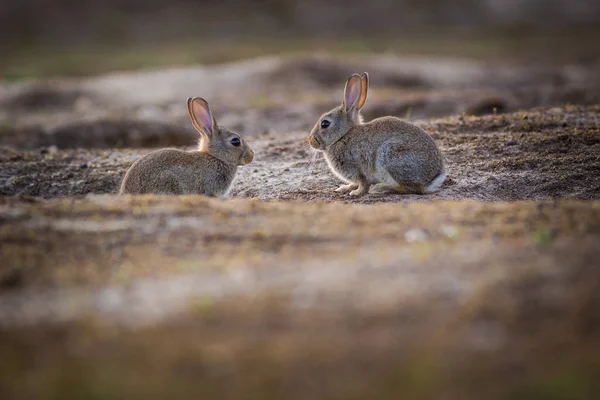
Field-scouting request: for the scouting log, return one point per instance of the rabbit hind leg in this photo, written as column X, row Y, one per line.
column 404, row 187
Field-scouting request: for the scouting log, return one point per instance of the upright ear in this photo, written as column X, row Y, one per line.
column 351, row 92
column 364, row 84
column 201, row 116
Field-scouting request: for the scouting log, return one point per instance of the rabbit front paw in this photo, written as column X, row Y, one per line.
column 362, row 189
column 347, row 188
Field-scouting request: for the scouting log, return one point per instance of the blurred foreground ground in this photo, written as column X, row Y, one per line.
column 489, row 288
column 180, row 297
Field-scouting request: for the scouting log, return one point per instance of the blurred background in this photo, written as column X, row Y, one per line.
column 427, row 58
column 473, row 297
column 71, row 37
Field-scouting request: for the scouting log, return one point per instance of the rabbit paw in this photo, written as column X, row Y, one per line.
column 347, row 188
column 359, row 191
column 383, row 188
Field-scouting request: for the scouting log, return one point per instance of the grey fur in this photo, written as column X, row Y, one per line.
column 209, row 170
column 392, row 154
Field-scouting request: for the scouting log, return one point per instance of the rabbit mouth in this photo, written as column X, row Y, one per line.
column 248, row 157
column 314, row 143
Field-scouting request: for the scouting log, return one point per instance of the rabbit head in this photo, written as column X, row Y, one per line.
column 217, row 141
column 333, row 125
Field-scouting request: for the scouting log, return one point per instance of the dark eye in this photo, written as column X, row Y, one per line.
column 236, row 142
column 325, row 124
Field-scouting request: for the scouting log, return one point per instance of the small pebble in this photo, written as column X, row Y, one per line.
column 415, row 235
column 449, row 231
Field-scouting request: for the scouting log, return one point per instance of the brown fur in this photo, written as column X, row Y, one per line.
column 387, row 152
column 210, row 170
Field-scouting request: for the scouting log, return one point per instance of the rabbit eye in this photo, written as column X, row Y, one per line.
column 236, row 142
column 325, row 124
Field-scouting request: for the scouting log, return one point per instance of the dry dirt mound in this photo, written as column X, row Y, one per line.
column 101, row 134
column 275, row 94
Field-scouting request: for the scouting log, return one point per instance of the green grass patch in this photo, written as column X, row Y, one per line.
column 39, row 61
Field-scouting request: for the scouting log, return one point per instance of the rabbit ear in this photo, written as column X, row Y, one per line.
column 364, row 84
column 201, row 116
column 351, row 92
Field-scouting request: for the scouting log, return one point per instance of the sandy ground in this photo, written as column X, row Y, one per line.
column 487, row 289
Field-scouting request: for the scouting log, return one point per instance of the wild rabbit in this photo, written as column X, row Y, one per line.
column 209, row 170
column 389, row 153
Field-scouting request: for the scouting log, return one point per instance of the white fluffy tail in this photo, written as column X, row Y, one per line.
column 436, row 183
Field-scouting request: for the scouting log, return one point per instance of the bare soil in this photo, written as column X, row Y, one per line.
column 527, row 155
column 489, row 288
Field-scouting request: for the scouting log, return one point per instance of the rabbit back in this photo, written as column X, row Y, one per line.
column 178, row 172
column 388, row 150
